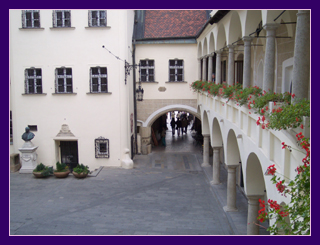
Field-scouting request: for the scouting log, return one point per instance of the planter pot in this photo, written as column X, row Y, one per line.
column 38, row 175
column 80, row 176
column 61, row 174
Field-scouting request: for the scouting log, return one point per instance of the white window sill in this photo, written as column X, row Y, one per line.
column 176, row 82
column 97, row 27
column 31, row 28
column 62, row 28
column 35, row 94
column 99, row 93
column 64, row 93
column 147, row 82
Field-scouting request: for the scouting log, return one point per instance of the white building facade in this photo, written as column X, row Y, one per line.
column 70, row 91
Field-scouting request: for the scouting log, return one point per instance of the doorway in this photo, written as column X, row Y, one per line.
column 69, row 153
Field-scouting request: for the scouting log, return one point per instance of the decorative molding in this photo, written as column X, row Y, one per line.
column 65, row 131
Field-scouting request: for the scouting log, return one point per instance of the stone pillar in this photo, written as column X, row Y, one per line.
column 218, row 67
column 206, row 144
column 210, row 67
column 231, row 189
column 199, row 69
column 247, row 61
column 145, row 140
column 28, row 157
column 216, row 167
column 231, row 65
column 301, row 58
column 204, row 68
column 139, row 144
column 253, row 209
column 269, row 58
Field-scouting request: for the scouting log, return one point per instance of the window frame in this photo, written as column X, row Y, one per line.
column 99, row 76
column 148, row 67
column 97, row 143
column 34, row 77
column 63, row 18
column 64, row 76
column 98, row 19
column 33, row 20
column 176, row 67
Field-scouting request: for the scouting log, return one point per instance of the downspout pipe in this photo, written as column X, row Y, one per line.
column 134, row 83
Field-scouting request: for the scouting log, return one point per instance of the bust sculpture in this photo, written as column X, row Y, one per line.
column 27, row 136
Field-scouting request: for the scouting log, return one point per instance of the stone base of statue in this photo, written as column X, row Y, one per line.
column 28, row 157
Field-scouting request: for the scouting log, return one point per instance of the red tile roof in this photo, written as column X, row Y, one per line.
column 173, row 23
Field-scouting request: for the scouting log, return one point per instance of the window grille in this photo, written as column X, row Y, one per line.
column 101, row 147
column 97, row 18
column 98, row 80
column 33, row 81
column 63, row 80
column 175, row 70
column 147, row 70
column 30, row 18
column 61, row 18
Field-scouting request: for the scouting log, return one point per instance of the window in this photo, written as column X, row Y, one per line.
column 30, row 19
column 147, row 70
column 102, row 147
column 63, row 80
column 33, row 81
column 97, row 18
column 98, row 80
column 175, row 70
column 61, row 18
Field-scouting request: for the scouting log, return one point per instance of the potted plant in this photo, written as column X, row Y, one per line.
column 42, row 171
column 62, row 170
column 81, row 171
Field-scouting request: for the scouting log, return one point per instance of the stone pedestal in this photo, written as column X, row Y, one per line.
column 126, row 162
column 28, row 157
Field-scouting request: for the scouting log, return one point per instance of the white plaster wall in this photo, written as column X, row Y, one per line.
column 161, row 53
column 88, row 115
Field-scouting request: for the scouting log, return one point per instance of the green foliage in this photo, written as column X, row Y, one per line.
column 243, row 95
column 81, row 169
column 290, row 116
column 61, row 167
column 262, row 101
column 44, row 170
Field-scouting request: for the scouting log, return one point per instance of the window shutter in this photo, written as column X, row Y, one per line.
column 90, row 18
column 54, row 18
column 23, row 18
column 26, row 87
column 56, row 80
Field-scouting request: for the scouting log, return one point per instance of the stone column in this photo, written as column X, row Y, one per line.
column 204, row 68
column 216, row 167
column 210, row 57
column 199, row 69
column 269, row 58
column 253, row 209
column 247, row 61
column 231, row 189
column 301, row 58
column 218, row 67
column 206, row 144
column 231, row 65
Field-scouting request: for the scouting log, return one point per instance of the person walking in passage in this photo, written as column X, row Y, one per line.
column 163, row 136
column 173, row 126
column 178, row 126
